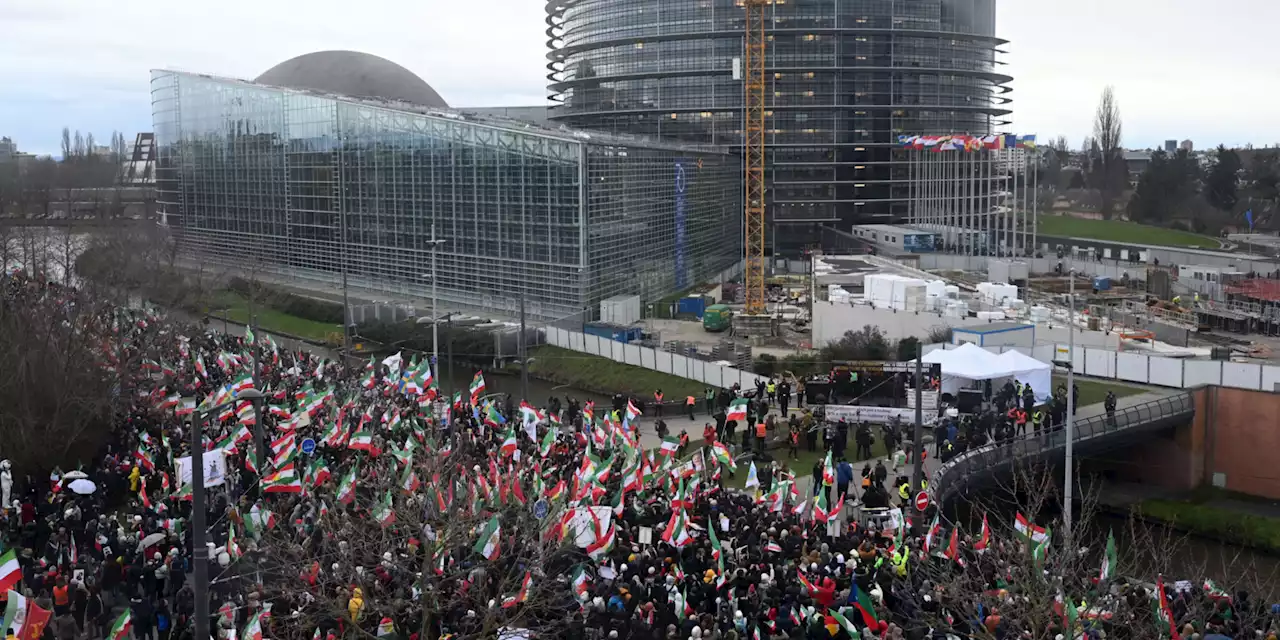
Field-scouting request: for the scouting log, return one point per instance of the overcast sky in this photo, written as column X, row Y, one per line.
column 1181, row 68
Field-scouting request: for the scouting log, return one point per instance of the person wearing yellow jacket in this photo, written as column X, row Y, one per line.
column 356, row 604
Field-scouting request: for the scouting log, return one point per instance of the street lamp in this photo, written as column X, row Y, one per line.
column 199, row 552
column 435, row 305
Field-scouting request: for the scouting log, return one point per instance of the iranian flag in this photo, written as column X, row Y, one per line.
column 669, row 446
column 253, row 629
column 186, row 408
column 737, row 410
column 530, row 413
column 409, row 480
column 363, row 441
column 487, row 545
column 1026, row 529
column 548, row 441
column 199, row 364
column 15, row 613
column 242, row 383
column 477, row 387
column 820, row 511
column 123, row 625
column 633, row 412
column 932, row 534
column 284, row 480
column 523, row 595
column 508, row 443
column 10, row 570
column 319, row 472
column 581, row 584
column 385, row 514
column 828, row 471
column 347, row 487
column 984, row 538
column 1109, row 561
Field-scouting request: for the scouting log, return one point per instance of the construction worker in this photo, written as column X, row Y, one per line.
column 657, row 403
column 690, row 402
column 1177, row 300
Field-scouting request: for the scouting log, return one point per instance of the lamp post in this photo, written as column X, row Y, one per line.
column 199, row 552
column 1070, row 426
column 435, row 305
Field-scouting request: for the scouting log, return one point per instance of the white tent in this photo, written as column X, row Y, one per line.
column 971, row 362
column 1030, row 371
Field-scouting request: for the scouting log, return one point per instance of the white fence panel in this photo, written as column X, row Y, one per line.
column 716, row 376
column 699, row 370
column 592, row 345
column 577, row 341
column 619, row 350
column 1270, row 378
column 1077, row 358
column 647, row 359
column 680, row 365
column 632, row 354
column 1166, row 372
column 664, row 361
column 1198, row 372
column 1100, row 363
column 1131, row 367
column 1042, row 352
column 1242, row 375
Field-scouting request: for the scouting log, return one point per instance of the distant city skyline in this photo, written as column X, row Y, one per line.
column 1178, row 71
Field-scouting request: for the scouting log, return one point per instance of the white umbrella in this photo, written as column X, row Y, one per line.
column 82, row 486
column 75, row 475
column 151, row 539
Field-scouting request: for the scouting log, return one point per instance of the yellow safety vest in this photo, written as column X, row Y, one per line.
column 904, row 491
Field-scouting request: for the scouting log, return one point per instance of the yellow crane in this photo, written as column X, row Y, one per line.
column 753, row 147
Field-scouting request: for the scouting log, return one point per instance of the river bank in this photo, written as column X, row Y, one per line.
column 1208, row 512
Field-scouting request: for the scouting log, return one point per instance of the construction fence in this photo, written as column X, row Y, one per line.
column 1178, row 373
column 705, row 372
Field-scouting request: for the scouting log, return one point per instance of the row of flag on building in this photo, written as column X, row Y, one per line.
column 967, row 142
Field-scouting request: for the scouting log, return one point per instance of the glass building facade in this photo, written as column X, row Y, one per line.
column 311, row 187
column 846, row 78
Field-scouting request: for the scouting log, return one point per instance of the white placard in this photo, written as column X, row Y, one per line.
column 215, row 468
column 880, row 415
column 646, row 535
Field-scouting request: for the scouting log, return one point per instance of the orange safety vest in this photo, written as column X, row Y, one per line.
column 690, row 401
column 657, row 397
column 760, row 430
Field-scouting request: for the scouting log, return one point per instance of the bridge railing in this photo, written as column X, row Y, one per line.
column 948, row 476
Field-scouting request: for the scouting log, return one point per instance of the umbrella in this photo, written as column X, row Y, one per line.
column 82, row 486
column 75, row 475
column 154, row 538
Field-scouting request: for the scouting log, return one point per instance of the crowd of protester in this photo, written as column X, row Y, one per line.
column 387, row 508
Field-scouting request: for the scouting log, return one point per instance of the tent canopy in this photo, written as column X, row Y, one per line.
column 971, row 362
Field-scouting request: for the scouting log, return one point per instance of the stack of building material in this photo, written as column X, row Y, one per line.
column 886, row 290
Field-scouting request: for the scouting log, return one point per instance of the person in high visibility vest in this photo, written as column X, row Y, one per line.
column 760, row 435
column 657, row 403
column 1020, row 421
column 1037, row 421
column 904, row 492
column 690, row 402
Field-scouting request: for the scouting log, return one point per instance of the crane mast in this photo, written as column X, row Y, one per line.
column 754, row 150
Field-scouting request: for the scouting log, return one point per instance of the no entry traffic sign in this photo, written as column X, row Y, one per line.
column 922, row 501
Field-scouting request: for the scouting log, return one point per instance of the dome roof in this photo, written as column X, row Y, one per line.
column 351, row 73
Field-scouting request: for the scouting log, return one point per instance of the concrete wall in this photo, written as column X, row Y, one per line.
column 1170, row 460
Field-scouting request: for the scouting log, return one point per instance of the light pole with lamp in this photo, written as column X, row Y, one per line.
column 199, row 552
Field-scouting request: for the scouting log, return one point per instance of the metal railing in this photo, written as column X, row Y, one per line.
column 951, row 476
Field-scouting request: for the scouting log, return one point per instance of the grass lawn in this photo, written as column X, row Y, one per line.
column 594, row 373
column 236, row 309
column 1122, row 231
column 1093, row 391
column 803, row 465
column 1222, row 524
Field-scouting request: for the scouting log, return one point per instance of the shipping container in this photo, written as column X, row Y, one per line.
column 613, row 331
column 692, row 305
column 620, row 310
column 1101, row 283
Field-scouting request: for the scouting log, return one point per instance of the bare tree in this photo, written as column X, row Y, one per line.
column 78, row 146
column 1108, row 167
column 90, row 145
column 66, row 144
